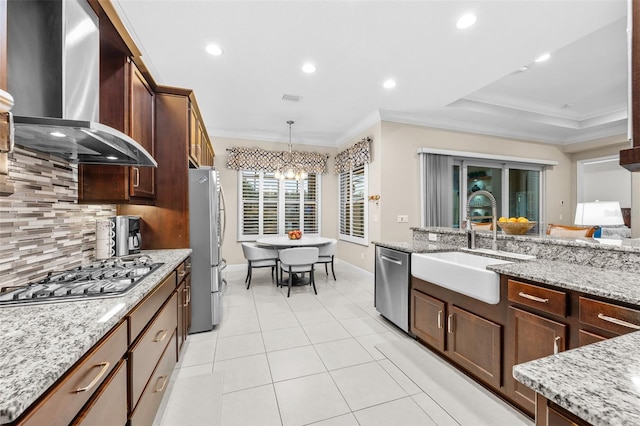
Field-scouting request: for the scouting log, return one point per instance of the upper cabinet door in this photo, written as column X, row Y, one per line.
column 141, row 127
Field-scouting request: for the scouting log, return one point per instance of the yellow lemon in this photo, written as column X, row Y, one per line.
column 512, row 219
column 522, row 219
column 502, row 219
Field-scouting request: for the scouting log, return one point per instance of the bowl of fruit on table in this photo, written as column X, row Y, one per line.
column 295, row 234
column 515, row 226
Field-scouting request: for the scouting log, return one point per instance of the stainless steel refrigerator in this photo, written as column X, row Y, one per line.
column 206, row 233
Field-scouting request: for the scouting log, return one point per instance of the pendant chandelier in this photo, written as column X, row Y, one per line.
column 290, row 170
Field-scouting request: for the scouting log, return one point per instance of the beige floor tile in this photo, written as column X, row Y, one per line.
column 342, row 353
column 433, row 410
column 363, row 326
column 369, row 342
column 402, row 379
column 297, row 362
column 285, row 338
column 255, row 406
column 198, row 352
column 244, row 372
column 276, row 321
column 343, row 420
column 314, row 316
column 309, row 399
column 237, row 346
column 194, row 401
column 326, row 332
column 366, row 385
column 401, row 412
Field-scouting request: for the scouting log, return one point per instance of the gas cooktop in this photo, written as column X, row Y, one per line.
column 107, row 278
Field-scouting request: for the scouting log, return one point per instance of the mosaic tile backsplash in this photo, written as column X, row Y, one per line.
column 42, row 226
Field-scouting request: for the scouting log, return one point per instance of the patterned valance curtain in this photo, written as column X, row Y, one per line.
column 259, row 159
column 354, row 156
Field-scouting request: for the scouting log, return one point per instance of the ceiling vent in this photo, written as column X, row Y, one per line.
column 291, row 98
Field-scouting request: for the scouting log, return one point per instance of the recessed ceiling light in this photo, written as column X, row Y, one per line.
column 58, row 134
column 214, row 49
column 309, row 68
column 111, row 157
column 389, row 84
column 543, row 57
column 523, row 68
column 466, row 21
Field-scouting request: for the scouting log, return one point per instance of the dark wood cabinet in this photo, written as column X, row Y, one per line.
column 531, row 337
column 469, row 340
column 141, row 119
column 550, row 414
column 127, row 105
column 184, row 302
column 476, row 344
column 427, row 319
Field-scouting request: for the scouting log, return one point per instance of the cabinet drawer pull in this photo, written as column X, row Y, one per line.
column 164, row 383
column 534, row 298
column 182, row 273
column 105, row 366
column 188, row 294
column 450, row 323
column 618, row 322
column 556, row 344
column 187, row 266
column 161, row 338
column 439, row 319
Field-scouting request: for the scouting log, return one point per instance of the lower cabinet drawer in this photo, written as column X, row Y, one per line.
column 605, row 316
column 64, row 400
column 150, row 400
column 145, row 354
column 109, row 405
column 540, row 298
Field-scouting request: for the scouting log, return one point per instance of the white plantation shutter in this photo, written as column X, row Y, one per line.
column 311, row 205
column 353, row 205
column 269, row 206
column 250, row 196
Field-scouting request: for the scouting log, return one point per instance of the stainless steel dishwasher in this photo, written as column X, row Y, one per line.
column 392, row 285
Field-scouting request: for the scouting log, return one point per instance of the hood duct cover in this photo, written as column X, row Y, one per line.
column 53, row 73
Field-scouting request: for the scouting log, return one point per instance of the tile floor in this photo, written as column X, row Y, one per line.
column 329, row 359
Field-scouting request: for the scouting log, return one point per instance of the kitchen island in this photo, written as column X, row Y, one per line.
column 40, row 343
column 595, row 383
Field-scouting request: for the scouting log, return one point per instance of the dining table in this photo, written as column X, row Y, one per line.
column 283, row 242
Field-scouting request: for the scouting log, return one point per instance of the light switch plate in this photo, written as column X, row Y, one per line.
column 403, row 218
column 432, row 237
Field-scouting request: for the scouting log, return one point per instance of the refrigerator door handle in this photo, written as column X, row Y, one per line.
column 223, row 264
column 223, row 213
column 224, row 286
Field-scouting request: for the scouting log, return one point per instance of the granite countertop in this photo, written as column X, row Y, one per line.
column 599, row 383
column 41, row 342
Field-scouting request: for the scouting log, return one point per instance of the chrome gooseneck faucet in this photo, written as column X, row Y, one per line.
column 494, row 213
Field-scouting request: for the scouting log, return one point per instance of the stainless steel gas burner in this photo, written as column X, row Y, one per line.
column 107, row 278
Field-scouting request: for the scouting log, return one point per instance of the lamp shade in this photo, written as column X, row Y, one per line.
column 601, row 213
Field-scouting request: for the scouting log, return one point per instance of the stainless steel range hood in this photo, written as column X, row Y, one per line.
column 53, row 73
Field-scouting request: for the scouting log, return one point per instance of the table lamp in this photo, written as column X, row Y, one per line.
column 600, row 213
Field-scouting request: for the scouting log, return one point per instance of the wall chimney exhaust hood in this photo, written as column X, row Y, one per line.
column 53, row 56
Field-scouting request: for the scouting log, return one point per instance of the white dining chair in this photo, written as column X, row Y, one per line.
column 259, row 257
column 299, row 260
column 326, row 253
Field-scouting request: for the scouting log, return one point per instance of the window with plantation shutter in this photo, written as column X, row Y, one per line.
column 270, row 206
column 353, row 206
